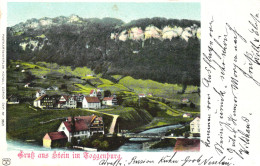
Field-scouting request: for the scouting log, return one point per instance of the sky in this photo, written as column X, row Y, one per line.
column 21, row 11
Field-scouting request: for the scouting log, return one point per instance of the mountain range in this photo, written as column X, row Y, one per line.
column 164, row 50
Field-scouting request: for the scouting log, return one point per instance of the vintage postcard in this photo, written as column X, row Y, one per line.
column 130, row 83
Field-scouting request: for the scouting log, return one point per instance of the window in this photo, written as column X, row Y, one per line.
column 63, row 128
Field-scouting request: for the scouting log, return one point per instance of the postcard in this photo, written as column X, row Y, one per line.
column 127, row 83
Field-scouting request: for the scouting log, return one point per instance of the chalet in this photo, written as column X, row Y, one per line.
column 67, row 102
column 52, row 138
column 93, row 93
column 71, row 102
column 91, row 102
column 44, row 101
column 40, row 92
column 188, row 145
column 85, row 126
column 141, row 95
column 12, row 99
column 195, row 125
column 186, row 115
column 27, row 85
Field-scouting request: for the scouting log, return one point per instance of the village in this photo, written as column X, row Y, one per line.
column 95, row 120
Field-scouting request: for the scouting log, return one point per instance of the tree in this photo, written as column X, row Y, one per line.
column 96, row 143
column 107, row 93
column 104, row 145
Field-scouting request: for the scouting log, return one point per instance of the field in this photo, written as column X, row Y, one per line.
column 162, row 107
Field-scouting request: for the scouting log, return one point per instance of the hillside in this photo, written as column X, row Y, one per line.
column 163, row 50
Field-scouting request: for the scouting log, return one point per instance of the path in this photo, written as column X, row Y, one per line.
column 113, row 123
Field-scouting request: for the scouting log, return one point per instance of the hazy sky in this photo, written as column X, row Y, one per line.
column 22, row 11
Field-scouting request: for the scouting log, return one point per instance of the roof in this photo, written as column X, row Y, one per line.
column 41, row 97
column 82, row 123
column 66, row 97
column 92, row 91
column 57, row 135
column 194, row 120
column 188, row 114
column 142, row 94
column 108, row 98
column 185, row 144
column 92, row 100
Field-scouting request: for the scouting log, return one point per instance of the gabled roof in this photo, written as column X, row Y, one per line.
column 57, row 135
column 196, row 119
column 92, row 91
column 108, row 98
column 41, row 97
column 82, row 123
column 184, row 144
column 92, row 99
column 66, row 97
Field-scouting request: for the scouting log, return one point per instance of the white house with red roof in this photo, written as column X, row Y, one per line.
column 91, row 102
column 107, row 101
column 141, row 95
column 93, row 93
column 85, row 126
column 186, row 115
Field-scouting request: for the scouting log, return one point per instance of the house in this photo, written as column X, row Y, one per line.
column 188, row 145
column 22, row 71
column 195, row 125
column 99, row 95
column 84, row 127
column 79, row 99
column 66, row 101
column 91, row 102
column 53, row 88
column 17, row 66
column 71, row 102
column 93, row 93
column 27, row 85
column 185, row 100
column 186, row 115
column 141, row 95
column 43, row 77
column 150, row 94
column 107, row 101
column 44, row 101
column 40, row 92
column 114, row 100
column 12, row 99
column 53, row 138
column 100, row 90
